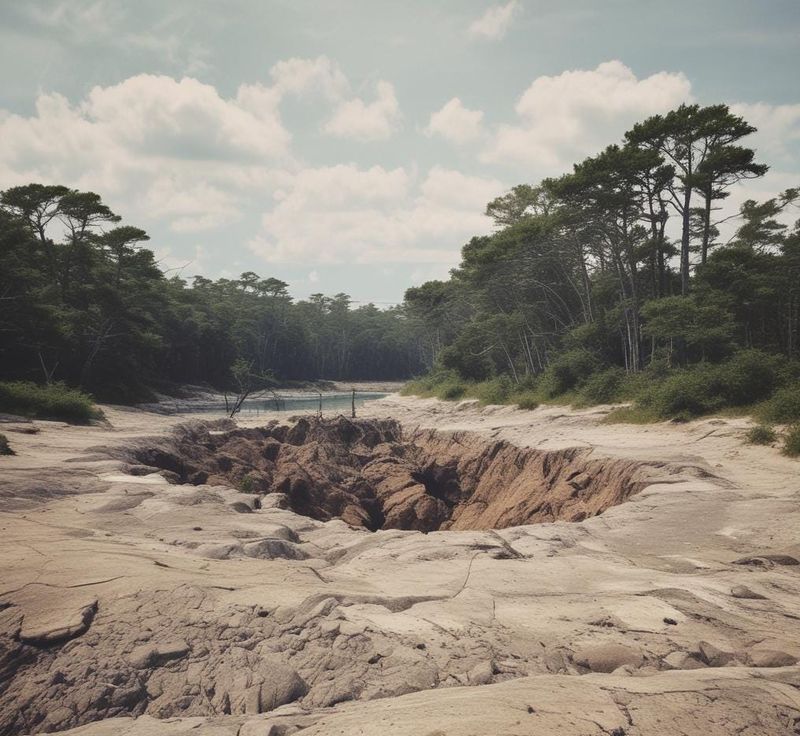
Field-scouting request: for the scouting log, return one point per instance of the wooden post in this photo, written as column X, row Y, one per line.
column 354, row 403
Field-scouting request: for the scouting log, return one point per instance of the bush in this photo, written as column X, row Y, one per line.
column 603, row 387
column 566, row 372
column 5, row 448
column 494, row 391
column 749, row 376
column 54, row 401
column 684, row 394
column 451, row 390
column 524, row 400
column 761, row 434
column 784, row 406
column 791, row 442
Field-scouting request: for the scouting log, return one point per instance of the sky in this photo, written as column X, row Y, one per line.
column 352, row 146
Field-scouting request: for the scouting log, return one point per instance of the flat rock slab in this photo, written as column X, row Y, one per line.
column 53, row 614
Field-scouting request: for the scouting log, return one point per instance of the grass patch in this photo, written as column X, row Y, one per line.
column 791, row 441
column 631, row 415
column 761, row 434
column 527, row 400
column 54, row 401
column 5, row 448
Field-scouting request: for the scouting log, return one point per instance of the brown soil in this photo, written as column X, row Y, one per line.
column 372, row 474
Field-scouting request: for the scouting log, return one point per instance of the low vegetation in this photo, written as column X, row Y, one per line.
column 761, row 434
column 5, row 448
column 657, row 393
column 791, row 441
column 53, row 401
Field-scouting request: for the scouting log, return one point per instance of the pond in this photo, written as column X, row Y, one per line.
column 332, row 403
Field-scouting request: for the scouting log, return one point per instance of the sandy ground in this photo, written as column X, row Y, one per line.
column 673, row 613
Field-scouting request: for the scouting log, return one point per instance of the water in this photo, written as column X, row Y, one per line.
column 332, row 403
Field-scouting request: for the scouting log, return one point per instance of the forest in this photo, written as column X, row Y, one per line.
column 84, row 303
column 613, row 282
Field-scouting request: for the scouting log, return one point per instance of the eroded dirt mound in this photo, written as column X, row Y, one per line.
column 372, row 474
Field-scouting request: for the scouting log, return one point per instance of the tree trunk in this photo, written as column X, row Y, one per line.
column 685, row 234
column 706, row 227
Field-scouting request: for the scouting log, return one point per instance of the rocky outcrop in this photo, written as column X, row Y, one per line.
column 372, row 474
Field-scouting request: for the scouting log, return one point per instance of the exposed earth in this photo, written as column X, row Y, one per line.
column 430, row 568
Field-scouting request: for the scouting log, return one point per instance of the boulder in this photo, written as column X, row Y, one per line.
column 742, row 591
column 771, row 658
column 481, row 674
column 270, row 549
column 713, row 656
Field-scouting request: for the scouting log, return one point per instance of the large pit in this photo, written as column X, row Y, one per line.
column 375, row 475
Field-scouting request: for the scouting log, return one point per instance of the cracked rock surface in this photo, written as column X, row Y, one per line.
column 510, row 572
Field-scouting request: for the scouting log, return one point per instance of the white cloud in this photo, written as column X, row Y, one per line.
column 366, row 121
column 154, row 147
column 347, row 214
column 302, row 76
column 778, row 128
column 565, row 117
column 177, row 151
column 159, row 115
column 190, row 206
column 456, row 123
column 494, row 23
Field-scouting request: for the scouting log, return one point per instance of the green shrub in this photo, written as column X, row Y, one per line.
column 246, row 484
column 784, row 406
column 749, row 376
column 54, row 401
column 494, row 391
column 761, row 434
column 5, row 448
column 524, row 400
column 451, row 390
column 791, row 442
column 566, row 372
column 603, row 387
column 684, row 394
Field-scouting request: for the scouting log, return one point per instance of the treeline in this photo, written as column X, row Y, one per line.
column 615, row 277
column 83, row 302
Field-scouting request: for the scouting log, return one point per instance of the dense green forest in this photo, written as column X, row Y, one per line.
column 613, row 281
column 83, row 302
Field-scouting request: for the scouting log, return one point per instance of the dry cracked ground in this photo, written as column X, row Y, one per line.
column 429, row 569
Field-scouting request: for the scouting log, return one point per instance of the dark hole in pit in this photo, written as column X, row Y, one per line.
column 373, row 474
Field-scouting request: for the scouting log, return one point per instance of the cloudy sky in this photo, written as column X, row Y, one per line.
column 352, row 145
